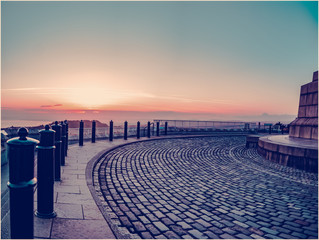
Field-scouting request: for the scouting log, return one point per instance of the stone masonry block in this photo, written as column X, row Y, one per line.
column 302, row 111
column 312, row 87
column 305, row 132
column 312, row 121
column 315, row 98
column 303, row 99
column 312, row 111
column 304, row 89
column 314, row 133
column 309, row 98
column 296, row 132
column 283, row 149
column 299, row 152
column 292, row 131
column 270, row 146
column 315, row 76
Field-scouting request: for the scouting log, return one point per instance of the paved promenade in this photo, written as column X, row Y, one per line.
column 206, row 187
column 77, row 214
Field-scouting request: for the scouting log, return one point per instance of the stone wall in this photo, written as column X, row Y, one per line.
column 306, row 125
column 296, row 157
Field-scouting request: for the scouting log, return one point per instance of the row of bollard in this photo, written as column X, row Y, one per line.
column 138, row 129
column 52, row 149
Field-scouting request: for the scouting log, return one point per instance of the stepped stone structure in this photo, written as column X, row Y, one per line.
column 299, row 149
column 306, row 124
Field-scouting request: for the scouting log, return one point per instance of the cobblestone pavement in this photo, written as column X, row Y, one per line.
column 206, row 187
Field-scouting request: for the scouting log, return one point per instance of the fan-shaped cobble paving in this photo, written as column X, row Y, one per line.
column 206, row 187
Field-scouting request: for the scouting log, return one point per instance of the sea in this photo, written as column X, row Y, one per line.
column 22, row 123
column 118, row 118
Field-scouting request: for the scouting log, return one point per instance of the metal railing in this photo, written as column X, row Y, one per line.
column 174, row 127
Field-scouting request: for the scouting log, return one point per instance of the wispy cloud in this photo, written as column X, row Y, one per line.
column 46, row 106
column 51, row 106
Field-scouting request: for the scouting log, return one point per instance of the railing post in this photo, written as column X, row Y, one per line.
column 157, row 128
column 138, row 130
column 81, row 133
column 57, row 165
column 63, row 139
column 46, row 174
column 148, row 129
column 111, row 131
column 165, row 128
column 21, row 184
column 125, row 130
column 93, row 131
column 66, row 137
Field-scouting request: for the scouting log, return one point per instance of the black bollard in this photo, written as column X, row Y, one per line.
column 93, row 131
column 125, row 130
column 57, row 164
column 269, row 129
column 63, row 143
column 165, row 128
column 111, row 131
column 148, row 129
column 138, row 127
column 157, row 128
column 46, row 174
column 66, row 137
column 21, row 184
column 81, row 134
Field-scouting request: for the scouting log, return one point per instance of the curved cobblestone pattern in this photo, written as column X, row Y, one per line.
column 205, row 187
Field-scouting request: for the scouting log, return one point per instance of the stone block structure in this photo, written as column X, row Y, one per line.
column 306, row 124
column 300, row 148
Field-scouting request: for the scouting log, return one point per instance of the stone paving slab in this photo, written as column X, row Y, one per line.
column 208, row 187
column 77, row 214
column 80, row 229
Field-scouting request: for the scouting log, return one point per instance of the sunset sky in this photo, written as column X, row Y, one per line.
column 245, row 58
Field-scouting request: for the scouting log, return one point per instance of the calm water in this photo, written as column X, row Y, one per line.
column 22, row 123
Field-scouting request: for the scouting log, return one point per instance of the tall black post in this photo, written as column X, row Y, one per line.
column 269, row 129
column 138, row 129
column 157, row 128
column 21, row 184
column 66, row 137
column 63, row 143
column 93, row 131
column 165, row 128
column 111, row 131
column 57, row 165
column 46, row 174
column 125, row 130
column 81, row 134
column 258, row 125
column 148, row 129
